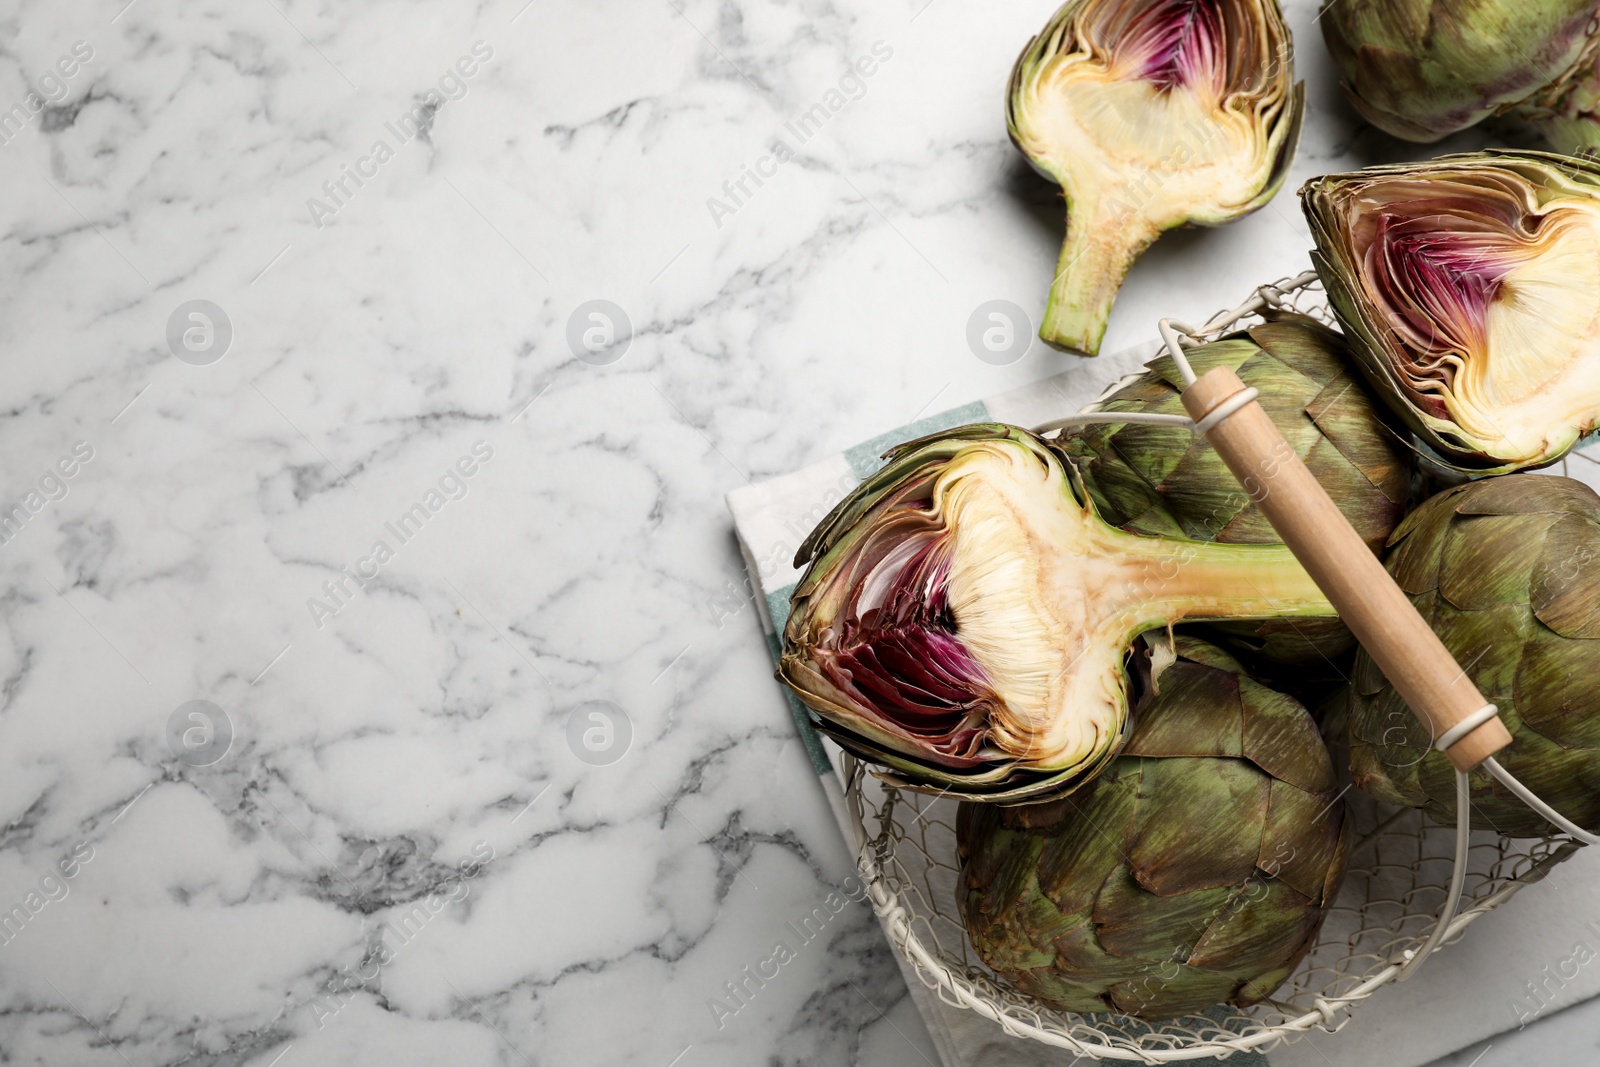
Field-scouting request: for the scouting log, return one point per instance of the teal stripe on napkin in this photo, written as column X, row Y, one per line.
column 867, row 457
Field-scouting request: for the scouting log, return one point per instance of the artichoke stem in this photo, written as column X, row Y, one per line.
column 1174, row 581
column 1101, row 244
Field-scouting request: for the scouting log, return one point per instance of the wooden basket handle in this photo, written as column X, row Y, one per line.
column 1377, row 611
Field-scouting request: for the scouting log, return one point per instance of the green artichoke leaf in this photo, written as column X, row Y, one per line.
column 1240, row 942
column 1344, row 413
column 1304, row 346
column 1508, row 566
column 1082, row 952
column 1131, row 923
column 1298, row 654
column 1289, row 852
column 1153, row 997
column 1216, row 509
column 1414, row 557
column 1523, row 496
column 1005, row 871
column 1486, row 559
column 1171, row 857
column 1283, row 744
column 1146, row 456
column 1382, row 771
column 1095, row 842
column 1490, row 638
column 1210, row 724
column 1554, row 688
column 1563, row 590
column 1049, row 987
column 1195, row 650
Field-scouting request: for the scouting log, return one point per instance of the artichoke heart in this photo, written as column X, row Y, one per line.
column 1469, row 287
column 1149, row 114
column 966, row 615
column 1196, row 870
column 1503, row 570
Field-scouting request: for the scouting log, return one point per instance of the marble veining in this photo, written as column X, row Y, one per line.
column 396, row 831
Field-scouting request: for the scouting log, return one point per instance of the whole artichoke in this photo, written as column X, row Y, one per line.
column 1196, row 870
column 966, row 615
column 1149, row 114
column 1164, row 481
column 1503, row 569
column 1466, row 288
column 1422, row 69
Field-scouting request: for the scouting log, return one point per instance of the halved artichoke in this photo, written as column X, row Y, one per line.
column 1164, row 481
column 1467, row 289
column 1196, row 870
column 966, row 614
column 1504, row 571
column 1149, row 114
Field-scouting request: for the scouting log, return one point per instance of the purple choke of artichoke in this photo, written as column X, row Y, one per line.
column 1196, row 870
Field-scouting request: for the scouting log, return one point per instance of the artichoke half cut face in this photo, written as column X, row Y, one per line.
column 1149, row 114
column 966, row 615
column 1470, row 290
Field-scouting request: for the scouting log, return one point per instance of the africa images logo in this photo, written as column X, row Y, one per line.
column 415, row 122
column 851, row 86
column 453, row 484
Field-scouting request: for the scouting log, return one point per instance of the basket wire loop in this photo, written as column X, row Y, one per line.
column 1392, row 915
column 1530, row 798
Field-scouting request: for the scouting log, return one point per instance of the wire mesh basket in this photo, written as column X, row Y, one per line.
column 1396, row 883
column 1397, row 906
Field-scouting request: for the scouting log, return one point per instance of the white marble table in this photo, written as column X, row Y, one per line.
column 382, row 839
